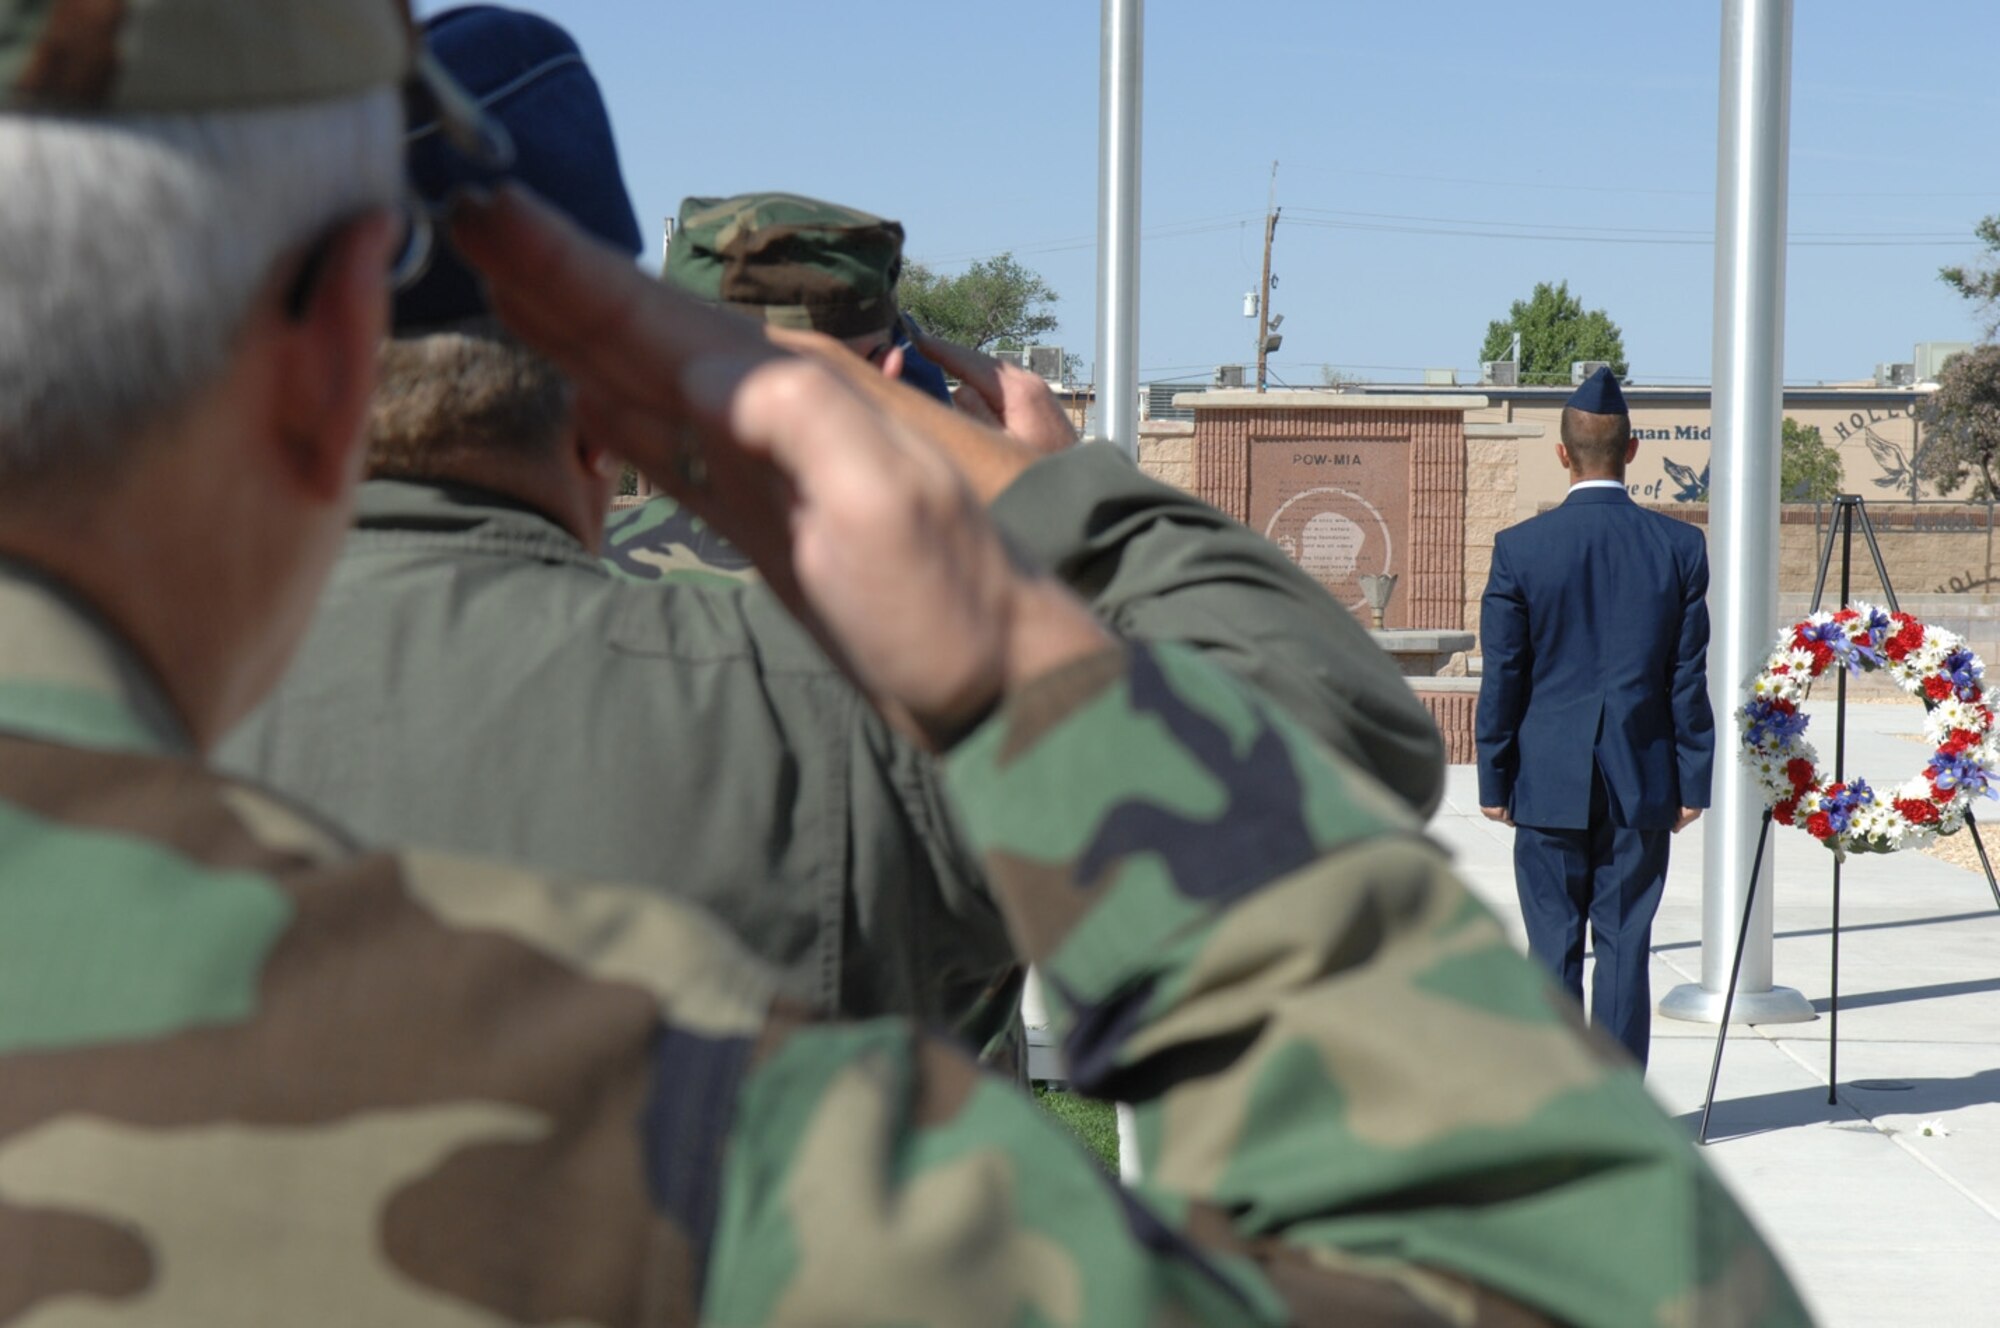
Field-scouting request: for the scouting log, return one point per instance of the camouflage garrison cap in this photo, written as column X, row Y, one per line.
column 124, row 57
column 792, row 261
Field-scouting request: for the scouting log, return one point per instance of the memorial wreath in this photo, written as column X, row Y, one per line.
column 1928, row 663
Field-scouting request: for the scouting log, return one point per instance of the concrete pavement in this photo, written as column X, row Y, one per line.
column 1881, row 1225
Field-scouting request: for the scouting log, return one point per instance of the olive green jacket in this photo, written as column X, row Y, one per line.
column 475, row 681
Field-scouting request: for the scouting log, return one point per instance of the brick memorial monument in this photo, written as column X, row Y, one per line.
column 1350, row 486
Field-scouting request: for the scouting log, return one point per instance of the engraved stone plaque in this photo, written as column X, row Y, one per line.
column 1339, row 509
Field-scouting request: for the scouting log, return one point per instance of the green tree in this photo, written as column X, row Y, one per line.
column 1556, row 330
column 1962, row 425
column 994, row 302
column 1980, row 283
column 1808, row 466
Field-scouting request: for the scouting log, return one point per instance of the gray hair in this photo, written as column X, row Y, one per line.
column 131, row 248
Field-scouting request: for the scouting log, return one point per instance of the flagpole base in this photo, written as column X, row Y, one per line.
column 1775, row 1005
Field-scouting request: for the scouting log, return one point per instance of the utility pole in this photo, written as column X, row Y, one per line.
column 1264, row 291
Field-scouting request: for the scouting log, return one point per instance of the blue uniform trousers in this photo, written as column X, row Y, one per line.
column 1611, row 875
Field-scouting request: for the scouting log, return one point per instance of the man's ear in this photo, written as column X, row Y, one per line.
column 1562, row 458
column 328, row 343
column 1631, row 449
column 599, row 462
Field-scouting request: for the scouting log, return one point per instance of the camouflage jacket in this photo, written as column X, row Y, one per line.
column 250, row 1075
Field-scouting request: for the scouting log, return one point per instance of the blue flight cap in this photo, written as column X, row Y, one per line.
column 526, row 73
column 1599, row 395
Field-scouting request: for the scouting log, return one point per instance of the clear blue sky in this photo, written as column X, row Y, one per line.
column 1418, row 144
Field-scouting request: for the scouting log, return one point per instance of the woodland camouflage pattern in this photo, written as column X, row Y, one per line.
column 251, row 1075
column 659, row 540
column 791, row 261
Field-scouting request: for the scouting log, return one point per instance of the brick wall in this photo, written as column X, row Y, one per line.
column 1432, row 590
column 1453, row 711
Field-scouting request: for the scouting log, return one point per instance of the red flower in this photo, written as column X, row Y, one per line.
column 1909, row 636
column 1917, row 811
column 1785, row 811
column 1781, row 669
column 1937, row 687
column 1800, row 772
column 1822, row 655
column 1847, row 615
column 1957, row 741
column 1819, row 825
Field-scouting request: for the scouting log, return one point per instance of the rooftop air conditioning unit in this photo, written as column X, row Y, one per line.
column 1932, row 356
column 1158, row 403
column 1016, row 356
column 1501, row 373
column 1440, row 378
column 1582, row 369
column 1229, row 375
column 1046, row 361
column 1895, row 375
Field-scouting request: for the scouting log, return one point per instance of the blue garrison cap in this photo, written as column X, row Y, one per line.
column 526, row 73
column 1599, row 395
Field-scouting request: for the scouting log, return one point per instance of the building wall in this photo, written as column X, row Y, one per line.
column 1874, row 432
column 1492, row 481
column 1166, row 452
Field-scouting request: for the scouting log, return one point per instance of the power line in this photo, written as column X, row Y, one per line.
column 1478, row 228
column 1629, row 189
column 1172, row 230
column 1571, row 237
column 1708, row 232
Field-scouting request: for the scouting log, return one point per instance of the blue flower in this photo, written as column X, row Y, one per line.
column 1962, row 771
column 1840, row 807
column 1768, row 719
column 1964, row 670
column 1851, row 654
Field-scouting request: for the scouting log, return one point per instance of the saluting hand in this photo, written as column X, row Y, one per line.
column 1004, row 395
column 866, row 530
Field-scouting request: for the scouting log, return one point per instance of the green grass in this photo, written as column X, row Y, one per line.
column 1095, row 1123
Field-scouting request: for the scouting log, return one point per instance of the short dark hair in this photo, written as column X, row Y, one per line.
column 452, row 396
column 1596, row 442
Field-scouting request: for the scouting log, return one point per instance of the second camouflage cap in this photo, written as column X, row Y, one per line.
column 793, row 261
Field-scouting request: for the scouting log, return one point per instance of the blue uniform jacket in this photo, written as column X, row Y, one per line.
column 1594, row 632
